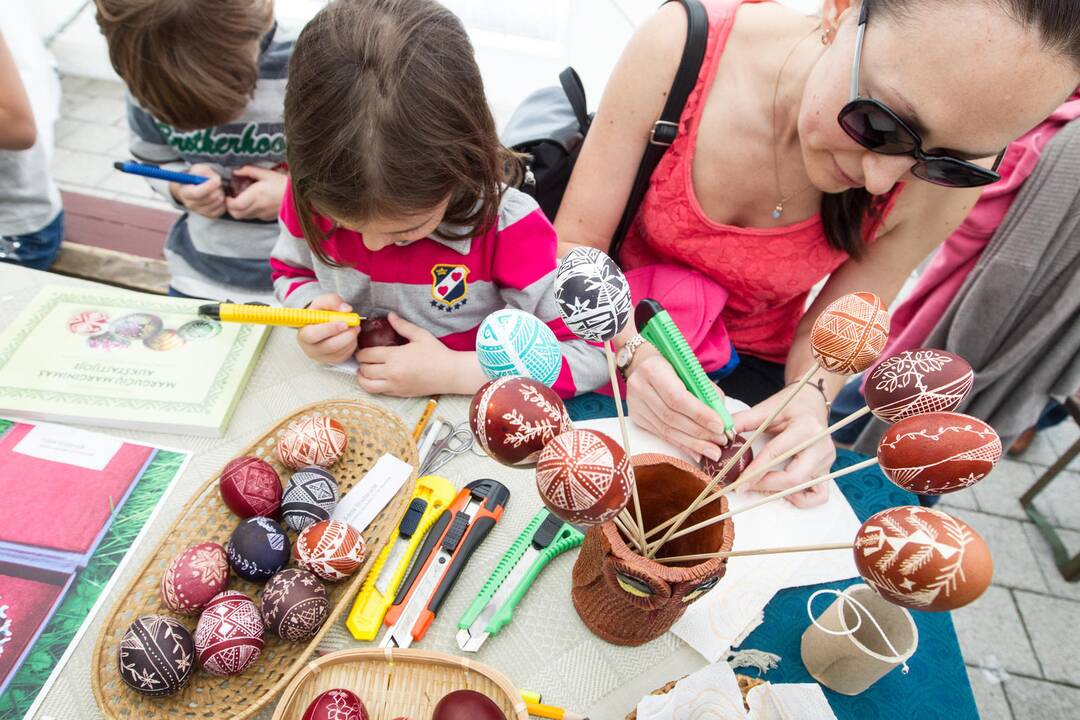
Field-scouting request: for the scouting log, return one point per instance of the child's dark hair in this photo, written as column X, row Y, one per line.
column 385, row 116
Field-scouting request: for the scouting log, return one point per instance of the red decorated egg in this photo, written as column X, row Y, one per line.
column 378, row 332
column 938, row 453
column 467, row 705
column 584, row 477
column 711, row 467
column 229, row 636
column 194, row 577
column 513, row 418
column 850, row 333
column 294, row 605
column 337, row 704
column 923, row 559
column 331, row 549
column 918, row 381
column 316, row 440
column 250, row 486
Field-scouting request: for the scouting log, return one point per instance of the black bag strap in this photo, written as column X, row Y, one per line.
column 575, row 93
column 667, row 127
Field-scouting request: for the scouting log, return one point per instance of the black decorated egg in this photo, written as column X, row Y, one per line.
column 156, row 656
column 294, row 605
column 258, row 548
column 310, row 498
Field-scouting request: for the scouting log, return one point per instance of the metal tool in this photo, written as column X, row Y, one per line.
column 432, row 495
column 543, row 539
column 452, row 540
column 457, row 441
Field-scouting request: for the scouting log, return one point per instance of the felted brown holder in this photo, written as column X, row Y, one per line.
column 626, row 599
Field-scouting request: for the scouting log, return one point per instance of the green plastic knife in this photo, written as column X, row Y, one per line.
column 543, row 539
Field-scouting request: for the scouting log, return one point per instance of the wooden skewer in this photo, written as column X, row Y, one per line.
column 620, row 523
column 761, row 551
column 681, row 517
column 770, row 498
column 639, row 525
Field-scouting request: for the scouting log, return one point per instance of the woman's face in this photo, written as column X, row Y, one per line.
column 967, row 77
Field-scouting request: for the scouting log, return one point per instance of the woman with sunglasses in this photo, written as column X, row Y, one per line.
column 844, row 147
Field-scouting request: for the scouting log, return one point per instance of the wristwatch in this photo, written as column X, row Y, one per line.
column 625, row 356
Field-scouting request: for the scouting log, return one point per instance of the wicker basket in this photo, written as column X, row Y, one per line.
column 372, row 432
column 398, row 683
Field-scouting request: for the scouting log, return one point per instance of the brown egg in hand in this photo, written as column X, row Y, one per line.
column 378, row 332
column 711, row 467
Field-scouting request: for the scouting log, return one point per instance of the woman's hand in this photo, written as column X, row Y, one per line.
column 804, row 417
column 331, row 342
column 661, row 404
column 261, row 200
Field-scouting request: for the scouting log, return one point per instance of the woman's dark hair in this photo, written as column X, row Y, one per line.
column 845, row 215
column 385, row 116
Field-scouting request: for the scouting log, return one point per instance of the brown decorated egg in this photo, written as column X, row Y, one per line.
column 194, row 577
column 378, row 332
column 584, row 477
column 850, row 333
column 918, row 381
column 467, row 705
column 331, row 549
column 229, row 636
column 923, row 559
column 316, row 440
column 294, row 605
column 336, row 704
column 156, row 656
column 250, row 486
column 513, row 418
column 711, row 467
column 938, row 453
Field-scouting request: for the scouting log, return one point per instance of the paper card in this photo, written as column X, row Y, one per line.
column 801, row 701
column 68, row 445
column 375, row 490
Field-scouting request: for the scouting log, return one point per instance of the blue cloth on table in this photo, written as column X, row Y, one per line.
column 937, row 685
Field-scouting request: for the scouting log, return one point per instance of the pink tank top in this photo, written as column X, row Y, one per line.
column 767, row 272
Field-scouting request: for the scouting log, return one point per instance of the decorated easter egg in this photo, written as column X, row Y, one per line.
column 199, row 329
column 938, row 453
column 584, row 477
column 194, row 577
column 229, row 636
column 164, row 341
column 137, row 326
column 513, row 342
column 107, row 341
column 314, row 440
column 918, row 381
column 257, row 549
column 513, row 418
column 311, row 496
column 592, row 294
column 294, row 605
column 711, row 467
column 850, row 333
column 378, row 332
column 88, row 322
column 467, row 705
column 336, row 704
column 923, row 559
column 250, row 486
column 156, row 656
column 331, row 549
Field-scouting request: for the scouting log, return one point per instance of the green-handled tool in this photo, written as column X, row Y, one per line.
column 655, row 325
column 543, row 539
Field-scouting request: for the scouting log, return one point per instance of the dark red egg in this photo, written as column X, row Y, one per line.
column 711, row 467
column 336, row 704
column 938, row 453
column 513, row 418
column 918, row 381
column 378, row 332
column 250, row 486
column 584, row 477
column 467, row 705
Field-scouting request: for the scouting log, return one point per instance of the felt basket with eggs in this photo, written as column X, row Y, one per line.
column 371, row 432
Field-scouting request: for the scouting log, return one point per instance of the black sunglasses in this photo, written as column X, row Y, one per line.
column 875, row 126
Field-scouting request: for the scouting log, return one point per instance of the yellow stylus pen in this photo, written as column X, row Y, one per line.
column 266, row 315
column 431, row 496
column 550, row 711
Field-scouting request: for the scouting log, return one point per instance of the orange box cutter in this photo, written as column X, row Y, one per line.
column 446, row 550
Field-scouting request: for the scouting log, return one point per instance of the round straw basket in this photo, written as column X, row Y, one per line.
column 372, row 433
column 398, row 683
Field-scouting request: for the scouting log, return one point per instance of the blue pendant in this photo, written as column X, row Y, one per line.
column 776, row 212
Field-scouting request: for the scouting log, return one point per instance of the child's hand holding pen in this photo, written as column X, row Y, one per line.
column 207, row 198
column 261, row 199
column 332, row 342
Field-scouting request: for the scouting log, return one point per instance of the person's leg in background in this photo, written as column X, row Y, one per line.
column 1052, row 414
column 36, row 250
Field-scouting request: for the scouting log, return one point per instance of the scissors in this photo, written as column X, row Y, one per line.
column 457, row 441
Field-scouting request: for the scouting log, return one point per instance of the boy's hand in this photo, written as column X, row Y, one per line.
column 262, row 199
column 332, row 342
column 423, row 366
column 207, row 198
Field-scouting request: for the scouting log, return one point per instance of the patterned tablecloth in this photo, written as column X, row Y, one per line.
column 546, row 648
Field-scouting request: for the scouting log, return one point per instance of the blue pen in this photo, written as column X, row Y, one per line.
column 153, row 171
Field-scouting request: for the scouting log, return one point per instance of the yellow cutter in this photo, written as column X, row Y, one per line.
column 432, row 495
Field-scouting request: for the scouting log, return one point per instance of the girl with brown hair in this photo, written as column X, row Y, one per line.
column 398, row 202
